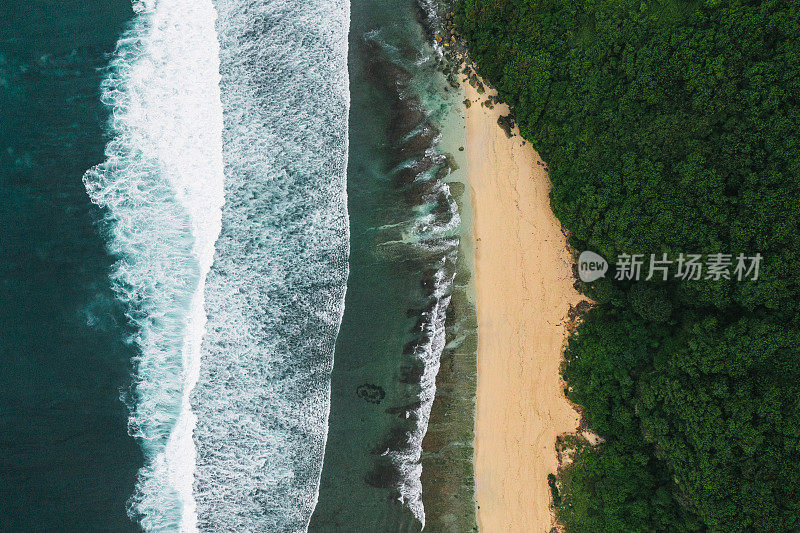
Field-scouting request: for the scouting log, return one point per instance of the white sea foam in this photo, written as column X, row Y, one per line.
column 275, row 294
column 429, row 353
column 162, row 189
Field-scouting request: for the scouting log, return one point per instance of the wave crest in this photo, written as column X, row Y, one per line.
column 275, row 295
column 161, row 187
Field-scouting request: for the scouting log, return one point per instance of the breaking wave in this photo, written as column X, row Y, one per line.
column 275, row 295
column 230, row 409
column 161, row 188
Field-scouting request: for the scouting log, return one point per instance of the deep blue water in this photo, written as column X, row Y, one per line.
column 67, row 462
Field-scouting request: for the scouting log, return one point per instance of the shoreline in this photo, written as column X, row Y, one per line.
column 524, row 285
column 448, row 448
column 399, row 320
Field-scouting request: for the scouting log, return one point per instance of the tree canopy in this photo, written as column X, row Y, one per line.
column 670, row 126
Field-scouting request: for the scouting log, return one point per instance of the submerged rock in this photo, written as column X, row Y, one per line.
column 371, row 393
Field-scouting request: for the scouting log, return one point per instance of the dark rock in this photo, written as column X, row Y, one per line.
column 411, row 373
column 406, row 175
column 397, row 439
column 420, row 142
column 405, row 410
column 507, row 124
column 409, row 347
column 456, row 188
column 383, row 474
column 371, row 393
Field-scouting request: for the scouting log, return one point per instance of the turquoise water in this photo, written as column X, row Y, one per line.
column 67, row 462
column 404, row 233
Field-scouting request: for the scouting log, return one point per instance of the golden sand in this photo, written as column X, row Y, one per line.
column 523, row 275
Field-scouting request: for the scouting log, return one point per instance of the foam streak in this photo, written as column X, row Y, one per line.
column 275, row 295
column 161, row 188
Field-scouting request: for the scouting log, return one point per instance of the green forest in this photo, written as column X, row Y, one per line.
column 669, row 127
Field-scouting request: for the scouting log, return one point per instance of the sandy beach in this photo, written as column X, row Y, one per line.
column 525, row 288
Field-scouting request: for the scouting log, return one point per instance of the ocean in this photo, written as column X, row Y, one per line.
column 67, row 462
column 405, row 233
column 190, row 188
column 275, row 294
column 222, row 152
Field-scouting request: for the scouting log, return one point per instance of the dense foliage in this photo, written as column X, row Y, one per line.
column 673, row 127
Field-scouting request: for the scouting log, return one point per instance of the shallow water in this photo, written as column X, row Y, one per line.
column 404, row 237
